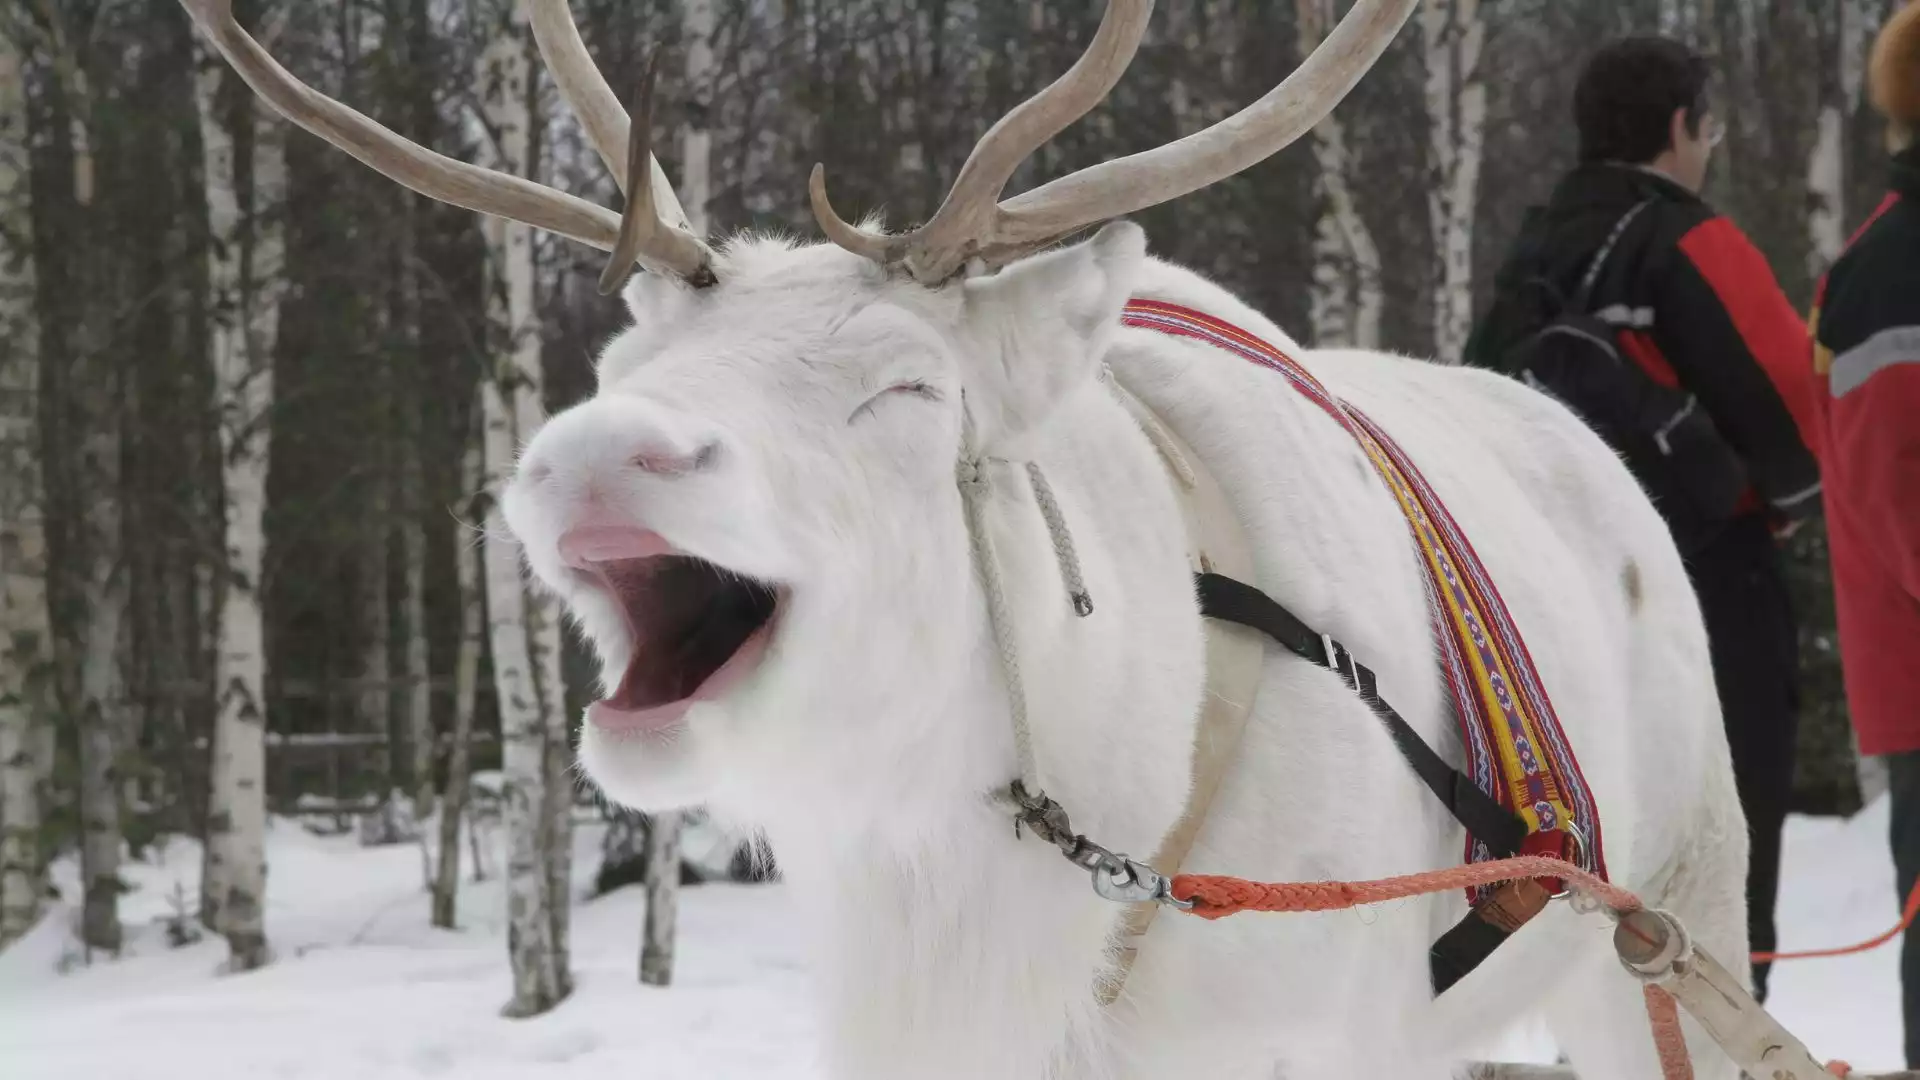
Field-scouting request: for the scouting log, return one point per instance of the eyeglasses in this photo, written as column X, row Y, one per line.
column 1712, row 130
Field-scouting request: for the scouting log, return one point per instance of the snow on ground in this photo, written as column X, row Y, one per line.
column 364, row 989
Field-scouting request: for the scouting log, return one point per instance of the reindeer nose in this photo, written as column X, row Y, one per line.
column 583, row 545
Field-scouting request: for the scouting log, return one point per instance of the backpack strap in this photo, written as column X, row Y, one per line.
column 1583, row 296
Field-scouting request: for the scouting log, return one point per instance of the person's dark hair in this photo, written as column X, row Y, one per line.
column 1624, row 101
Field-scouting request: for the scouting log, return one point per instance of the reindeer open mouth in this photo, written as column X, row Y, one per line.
column 695, row 631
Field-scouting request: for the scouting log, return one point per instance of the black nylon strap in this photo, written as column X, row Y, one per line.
column 1462, row 949
column 1234, row 601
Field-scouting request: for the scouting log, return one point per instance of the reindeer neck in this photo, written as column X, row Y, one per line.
column 963, row 943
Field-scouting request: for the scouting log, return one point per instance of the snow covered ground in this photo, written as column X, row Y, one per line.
column 364, row 989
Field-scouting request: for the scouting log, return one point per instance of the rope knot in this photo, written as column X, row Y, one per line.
column 971, row 474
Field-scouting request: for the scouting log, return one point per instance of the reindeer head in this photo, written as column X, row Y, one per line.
column 755, row 519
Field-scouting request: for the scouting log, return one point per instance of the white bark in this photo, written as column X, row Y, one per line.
column 242, row 337
column 1840, row 90
column 23, row 594
column 1457, row 109
column 695, row 189
column 520, row 625
column 523, row 733
column 1347, row 298
column 543, row 632
column 1826, row 204
column 466, row 673
column 663, row 908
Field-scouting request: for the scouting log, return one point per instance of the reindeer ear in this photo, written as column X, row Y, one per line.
column 659, row 304
column 1037, row 329
column 656, row 299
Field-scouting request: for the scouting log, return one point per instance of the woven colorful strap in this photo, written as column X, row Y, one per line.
column 1517, row 753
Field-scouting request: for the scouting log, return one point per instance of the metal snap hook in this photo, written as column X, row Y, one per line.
column 1125, row 881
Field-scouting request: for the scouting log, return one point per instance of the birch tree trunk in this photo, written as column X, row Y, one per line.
column 1347, row 297
column 695, row 188
column 244, row 267
column 1849, row 31
column 376, row 664
column 543, row 634
column 466, row 673
column 76, row 410
column 23, row 595
column 229, row 362
column 1457, row 109
column 89, row 655
column 517, row 628
column 418, row 674
column 104, row 601
column 418, row 108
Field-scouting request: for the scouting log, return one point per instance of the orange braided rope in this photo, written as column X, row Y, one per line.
column 1216, row 897
column 1906, row 920
column 1663, row 1015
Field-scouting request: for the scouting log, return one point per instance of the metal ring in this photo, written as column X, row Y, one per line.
column 1581, row 858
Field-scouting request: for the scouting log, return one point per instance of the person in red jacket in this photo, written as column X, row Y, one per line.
column 1866, row 362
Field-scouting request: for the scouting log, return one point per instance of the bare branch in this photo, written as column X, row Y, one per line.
column 974, row 225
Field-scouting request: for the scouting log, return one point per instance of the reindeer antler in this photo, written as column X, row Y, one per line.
column 667, row 247
column 643, row 229
column 974, row 224
column 654, row 229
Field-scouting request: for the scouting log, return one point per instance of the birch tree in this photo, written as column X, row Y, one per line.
column 663, row 836
column 104, row 603
column 523, row 628
column 1453, row 32
column 466, row 674
column 244, row 264
column 416, row 108
column 87, row 589
column 1346, row 294
column 376, row 615
column 1848, row 27
column 23, row 601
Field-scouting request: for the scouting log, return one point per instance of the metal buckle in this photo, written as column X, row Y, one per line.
column 1126, row 881
column 1339, row 660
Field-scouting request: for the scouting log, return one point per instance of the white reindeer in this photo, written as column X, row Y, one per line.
column 757, row 523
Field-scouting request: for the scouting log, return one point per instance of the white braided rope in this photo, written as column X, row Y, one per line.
column 1062, row 540
column 975, row 492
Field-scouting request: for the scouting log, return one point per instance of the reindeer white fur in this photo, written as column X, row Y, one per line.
column 794, row 416
column 866, row 741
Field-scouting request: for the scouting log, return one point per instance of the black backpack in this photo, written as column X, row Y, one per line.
column 1668, row 441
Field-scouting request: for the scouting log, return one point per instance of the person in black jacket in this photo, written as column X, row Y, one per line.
column 1694, row 306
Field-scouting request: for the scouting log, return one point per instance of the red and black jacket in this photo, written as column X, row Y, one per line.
column 1866, row 364
column 1697, row 307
